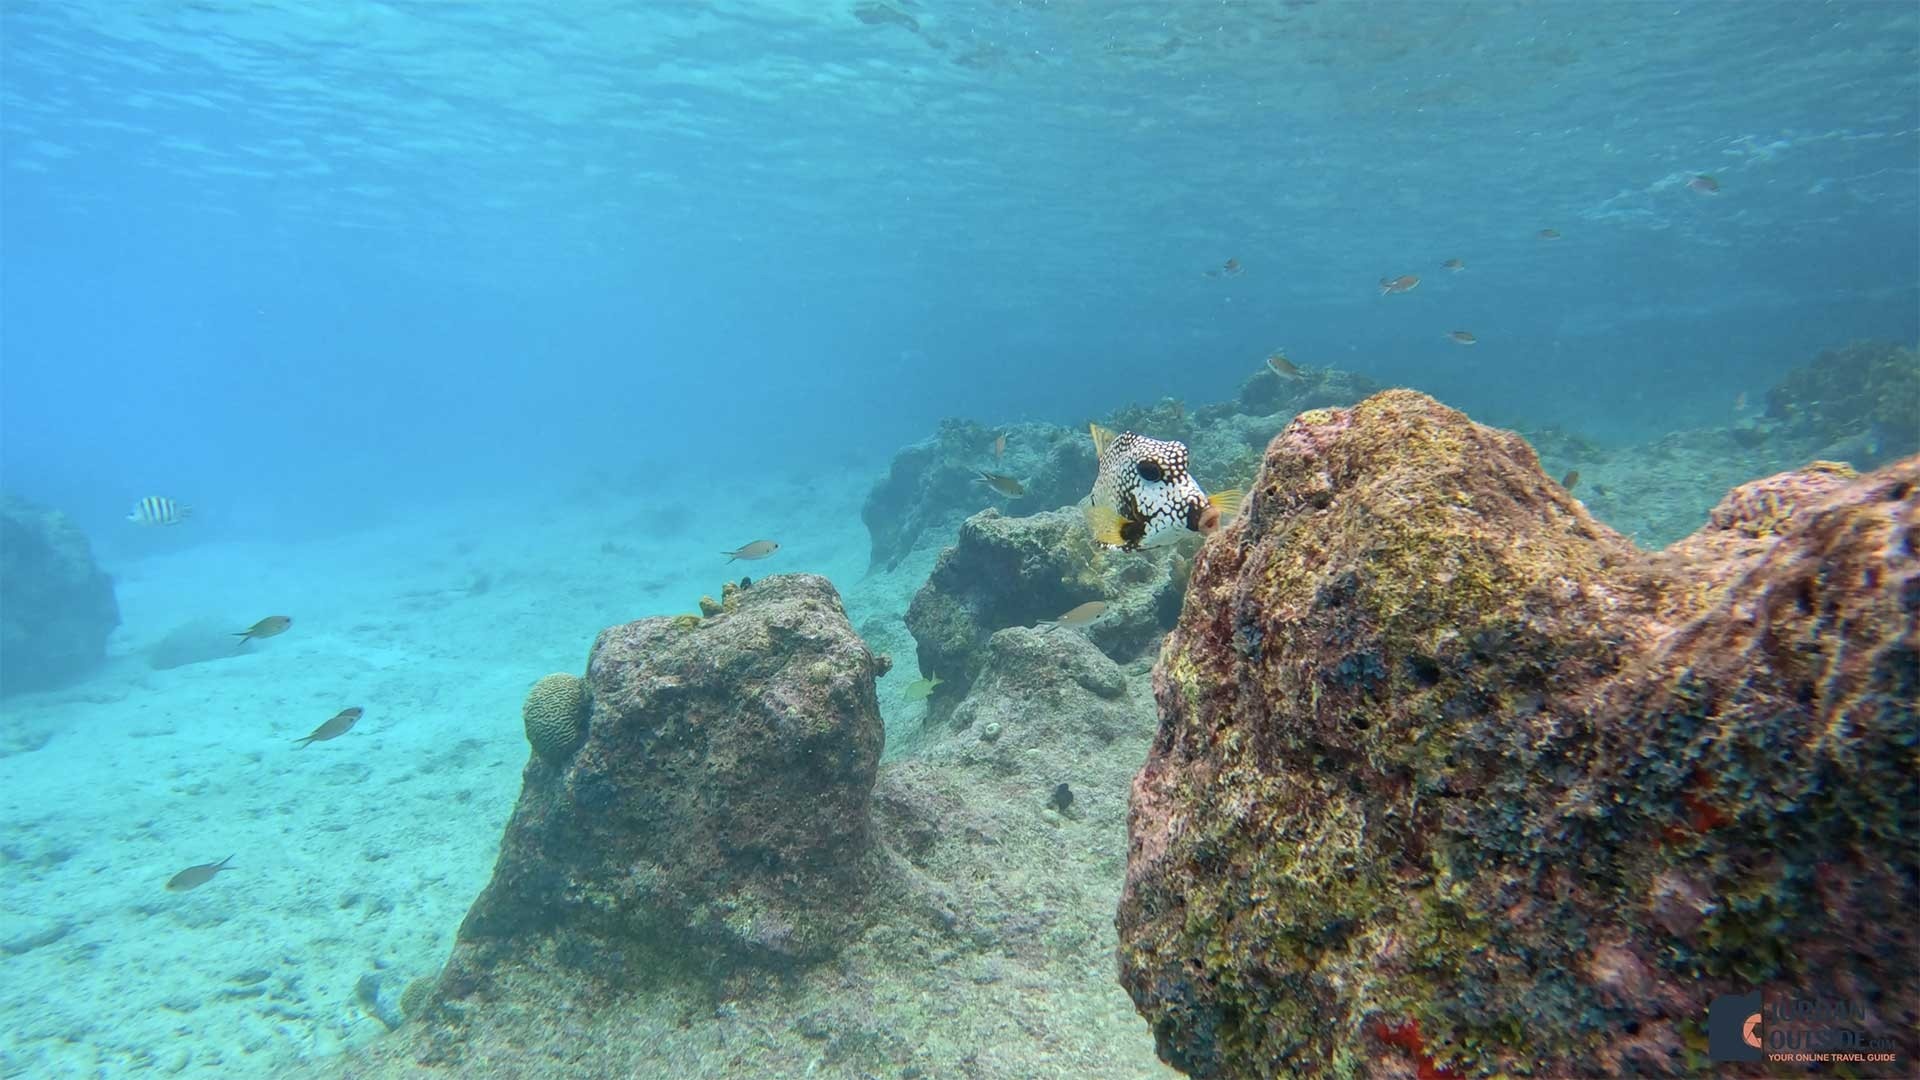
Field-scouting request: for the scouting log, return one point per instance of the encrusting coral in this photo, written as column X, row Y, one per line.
column 1453, row 781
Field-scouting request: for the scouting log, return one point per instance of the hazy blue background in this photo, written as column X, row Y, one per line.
column 297, row 263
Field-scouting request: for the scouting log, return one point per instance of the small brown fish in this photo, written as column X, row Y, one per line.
column 1548, row 234
column 1570, row 480
column 195, row 876
column 1005, row 485
column 341, row 723
column 1230, row 268
column 1704, row 184
column 1462, row 337
column 1403, row 284
column 1283, row 367
column 265, row 628
column 1082, row 615
column 759, row 549
column 1453, row 265
column 1000, row 447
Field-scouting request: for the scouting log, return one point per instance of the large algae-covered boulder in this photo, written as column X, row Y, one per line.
column 56, row 605
column 716, row 813
column 1006, row 571
column 1450, row 780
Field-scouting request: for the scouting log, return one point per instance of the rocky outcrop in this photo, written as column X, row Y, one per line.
column 717, row 813
column 932, row 485
column 1006, row 571
column 1451, row 780
column 1860, row 402
column 58, row 606
column 995, row 865
column 929, row 488
column 1049, row 689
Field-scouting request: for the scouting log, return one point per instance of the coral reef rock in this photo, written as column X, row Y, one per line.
column 985, row 940
column 1860, row 402
column 931, row 485
column 1050, row 690
column 58, row 606
column 716, row 814
column 930, row 488
column 1450, row 780
column 1017, row 571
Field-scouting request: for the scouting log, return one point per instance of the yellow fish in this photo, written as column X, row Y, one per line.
column 922, row 689
column 268, row 627
column 339, row 725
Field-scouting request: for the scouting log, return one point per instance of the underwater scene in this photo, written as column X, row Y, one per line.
column 979, row 539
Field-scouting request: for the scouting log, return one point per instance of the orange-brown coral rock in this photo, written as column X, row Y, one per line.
column 1452, row 781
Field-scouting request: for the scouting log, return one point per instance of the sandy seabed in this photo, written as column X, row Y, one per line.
column 353, row 857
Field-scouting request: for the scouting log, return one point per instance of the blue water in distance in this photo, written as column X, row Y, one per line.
column 319, row 259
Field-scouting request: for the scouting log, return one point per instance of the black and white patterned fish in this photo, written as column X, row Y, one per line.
column 1144, row 497
column 159, row 510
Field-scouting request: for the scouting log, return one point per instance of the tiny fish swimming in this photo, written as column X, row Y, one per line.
column 195, row 876
column 1144, row 497
column 270, row 626
column 1005, row 485
column 1081, row 615
column 759, row 549
column 340, row 723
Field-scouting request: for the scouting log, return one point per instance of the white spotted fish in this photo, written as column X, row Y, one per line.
column 1143, row 495
column 159, row 510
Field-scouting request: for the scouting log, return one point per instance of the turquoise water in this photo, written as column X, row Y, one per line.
column 402, row 294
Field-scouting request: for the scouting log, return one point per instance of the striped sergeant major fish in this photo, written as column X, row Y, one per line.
column 159, row 510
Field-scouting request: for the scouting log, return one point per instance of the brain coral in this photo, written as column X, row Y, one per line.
column 555, row 713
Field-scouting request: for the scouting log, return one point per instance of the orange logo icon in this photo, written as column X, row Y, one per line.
column 1750, row 1031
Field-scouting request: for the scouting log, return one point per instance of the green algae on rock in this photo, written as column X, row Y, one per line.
column 1450, row 777
column 717, row 812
